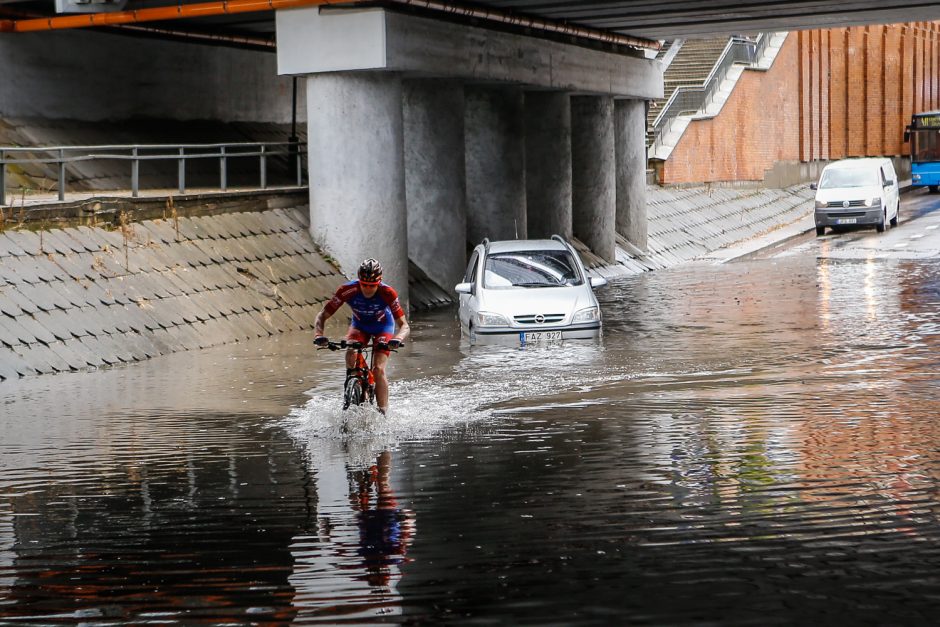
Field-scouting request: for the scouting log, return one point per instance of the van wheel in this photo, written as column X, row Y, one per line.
column 820, row 230
column 883, row 225
column 897, row 215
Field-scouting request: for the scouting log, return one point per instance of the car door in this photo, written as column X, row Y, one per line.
column 467, row 301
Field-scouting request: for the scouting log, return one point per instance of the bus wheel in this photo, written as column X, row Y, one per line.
column 932, row 188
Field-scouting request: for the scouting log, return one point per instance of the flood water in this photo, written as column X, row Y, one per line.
column 753, row 443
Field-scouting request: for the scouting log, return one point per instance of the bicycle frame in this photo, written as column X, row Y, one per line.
column 361, row 371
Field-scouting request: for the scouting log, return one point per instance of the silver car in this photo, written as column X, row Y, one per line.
column 528, row 291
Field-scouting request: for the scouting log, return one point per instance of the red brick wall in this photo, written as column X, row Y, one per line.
column 841, row 92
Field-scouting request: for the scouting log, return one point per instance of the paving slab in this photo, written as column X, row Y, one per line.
column 103, row 348
column 40, row 358
column 86, row 354
column 14, row 361
column 43, row 296
column 8, row 371
column 8, row 305
column 8, row 247
column 25, row 240
column 56, row 322
column 70, row 357
column 53, row 242
column 160, row 230
column 13, row 333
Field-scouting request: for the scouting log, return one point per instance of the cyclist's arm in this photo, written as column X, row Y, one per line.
column 403, row 329
column 343, row 294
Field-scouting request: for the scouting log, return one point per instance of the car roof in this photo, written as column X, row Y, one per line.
column 864, row 162
column 516, row 245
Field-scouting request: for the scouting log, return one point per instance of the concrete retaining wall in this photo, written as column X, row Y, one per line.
column 93, row 76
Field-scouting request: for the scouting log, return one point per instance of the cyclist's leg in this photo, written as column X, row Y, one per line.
column 380, row 359
column 354, row 335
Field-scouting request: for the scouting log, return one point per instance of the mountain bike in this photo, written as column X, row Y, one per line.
column 359, row 387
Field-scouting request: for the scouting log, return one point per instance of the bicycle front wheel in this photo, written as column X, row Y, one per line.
column 353, row 394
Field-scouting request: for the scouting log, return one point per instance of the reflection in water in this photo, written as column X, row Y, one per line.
column 755, row 443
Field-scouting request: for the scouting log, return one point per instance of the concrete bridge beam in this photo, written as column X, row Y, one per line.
column 548, row 163
column 593, row 176
column 435, row 188
column 356, row 170
column 495, row 154
column 630, row 147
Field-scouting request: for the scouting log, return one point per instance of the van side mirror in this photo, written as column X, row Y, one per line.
column 907, row 134
column 464, row 288
column 813, row 186
column 597, row 282
column 889, row 183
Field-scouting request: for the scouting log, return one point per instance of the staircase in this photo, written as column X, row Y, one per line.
column 690, row 67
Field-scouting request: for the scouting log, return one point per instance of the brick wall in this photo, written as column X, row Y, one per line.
column 834, row 93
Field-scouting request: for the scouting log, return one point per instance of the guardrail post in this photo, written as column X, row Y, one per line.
column 264, row 169
column 181, row 171
column 61, row 175
column 3, row 180
column 300, row 161
column 222, row 173
column 135, row 174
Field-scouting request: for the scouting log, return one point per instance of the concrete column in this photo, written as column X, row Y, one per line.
column 356, row 169
column 495, row 155
column 630, row 139
column 548, row 163
column 435, row 187
column 593, row 180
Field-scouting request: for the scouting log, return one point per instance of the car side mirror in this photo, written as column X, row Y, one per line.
column 813, row 186
column 889, row 183
column 597, row 282
column 464, row 288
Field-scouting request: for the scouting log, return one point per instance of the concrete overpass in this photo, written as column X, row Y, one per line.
column 433, row 124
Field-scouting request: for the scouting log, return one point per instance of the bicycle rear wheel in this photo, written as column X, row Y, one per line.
column 353, row 394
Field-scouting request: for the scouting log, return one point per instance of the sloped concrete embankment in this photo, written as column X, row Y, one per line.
column 690, row 222
column 84, row 297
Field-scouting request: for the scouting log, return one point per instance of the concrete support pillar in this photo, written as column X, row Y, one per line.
column 494, row 131
column 356, row 169
column 548, row 163
column 435, row 188
column 593, row 180
column 630, row 139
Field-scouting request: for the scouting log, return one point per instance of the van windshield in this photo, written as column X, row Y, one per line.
column 854, row 177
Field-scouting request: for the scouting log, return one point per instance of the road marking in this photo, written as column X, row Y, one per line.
column 932, row 227
column 918, row 236
column 900, row 245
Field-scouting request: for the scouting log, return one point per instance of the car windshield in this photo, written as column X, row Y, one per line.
column 853, row 177
column 531, row 268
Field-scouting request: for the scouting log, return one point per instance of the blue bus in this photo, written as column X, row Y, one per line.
column 924, row 135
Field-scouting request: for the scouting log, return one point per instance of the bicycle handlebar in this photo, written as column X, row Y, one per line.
column 335, row 346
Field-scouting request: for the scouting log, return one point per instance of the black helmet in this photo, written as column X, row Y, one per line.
column 370, row 271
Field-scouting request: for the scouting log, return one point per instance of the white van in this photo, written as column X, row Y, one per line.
column 858, row 192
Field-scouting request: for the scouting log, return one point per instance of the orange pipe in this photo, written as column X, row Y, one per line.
column 204, row 9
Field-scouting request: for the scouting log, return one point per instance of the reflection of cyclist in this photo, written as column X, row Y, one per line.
column 375, row 310
column 384, row 528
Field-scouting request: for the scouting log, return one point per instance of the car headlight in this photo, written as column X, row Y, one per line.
column 821, row 204
column 487, row 319
column 591, row 314
column 874, row 202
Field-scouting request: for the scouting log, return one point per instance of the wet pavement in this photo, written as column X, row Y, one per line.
column 755, row 442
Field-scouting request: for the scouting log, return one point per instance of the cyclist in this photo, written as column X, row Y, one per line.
column 376, row 310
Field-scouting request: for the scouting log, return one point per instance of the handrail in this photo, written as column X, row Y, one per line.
column 692, row 99
column 135, row 153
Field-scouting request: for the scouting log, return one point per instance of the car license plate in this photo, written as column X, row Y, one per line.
column 847, row 221
column 540, row 336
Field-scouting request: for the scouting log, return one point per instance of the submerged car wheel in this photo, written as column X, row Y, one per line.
column 883, row 225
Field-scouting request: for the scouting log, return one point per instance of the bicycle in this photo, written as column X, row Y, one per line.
column 359, row 387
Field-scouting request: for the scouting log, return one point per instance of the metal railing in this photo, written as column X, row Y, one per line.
column 61, row 156
column 691, row 100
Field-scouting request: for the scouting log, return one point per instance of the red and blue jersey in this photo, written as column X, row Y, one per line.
column 372, row 315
